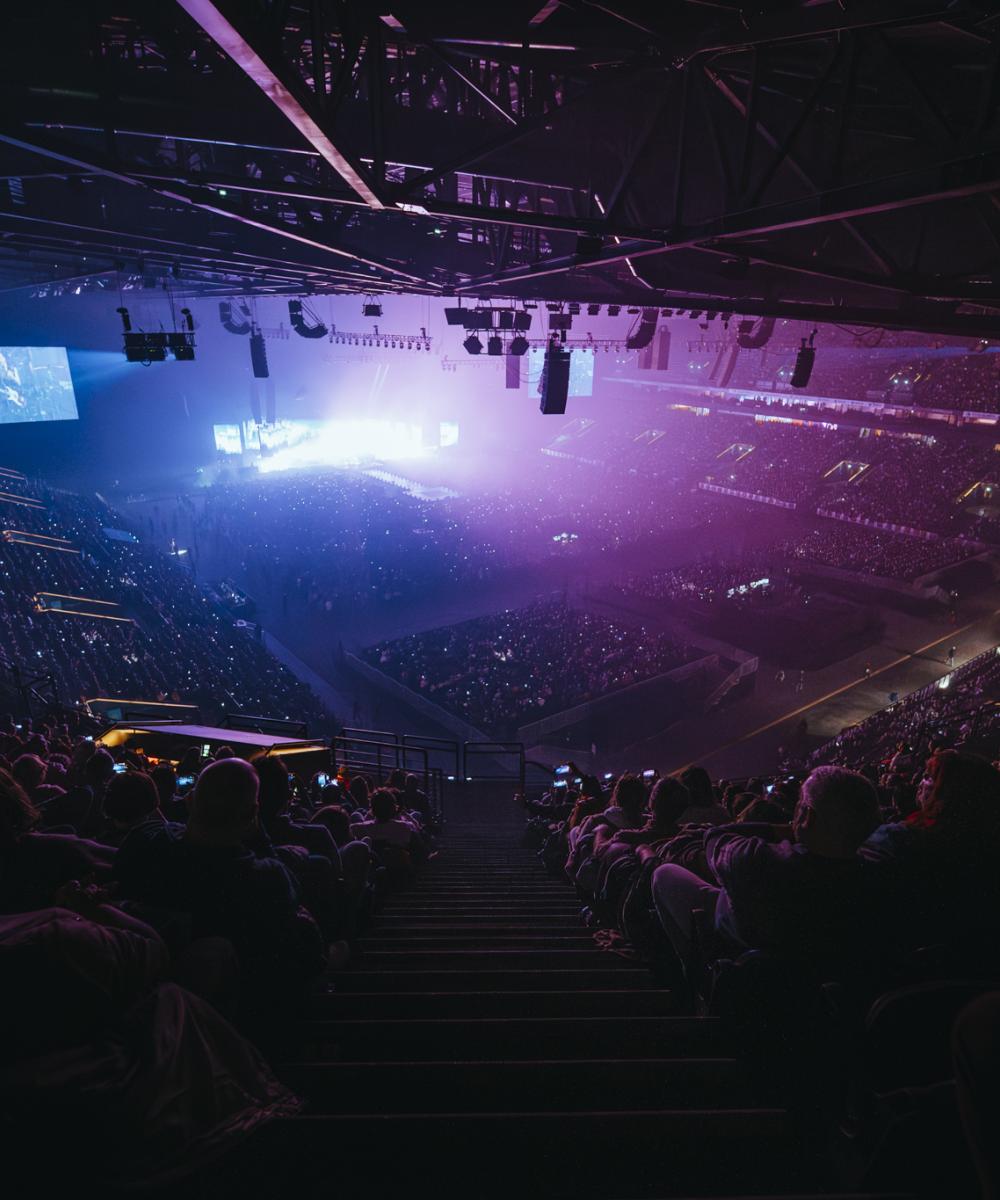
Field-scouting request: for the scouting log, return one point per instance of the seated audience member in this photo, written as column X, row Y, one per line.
column 33, row 865
column 103, row 1042
column 80, row 808
column 802, row 891
column 31, row 771
column 941, row 861
column 131, row 802
column 206, row 873
column 386, row 825
column 669, row 802
column 337, row 820
column 626, row 811
column 414, row 800
column 275, row 796
column 358, row 794
column 355, row 856
column 704, row 808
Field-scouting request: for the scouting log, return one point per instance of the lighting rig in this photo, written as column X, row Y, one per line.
column 504, row 329
column 147, row 347
column 386, row 341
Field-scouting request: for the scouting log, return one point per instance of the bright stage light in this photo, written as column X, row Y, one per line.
column 337, row 443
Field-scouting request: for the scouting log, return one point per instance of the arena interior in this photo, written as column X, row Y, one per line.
column 500, row 599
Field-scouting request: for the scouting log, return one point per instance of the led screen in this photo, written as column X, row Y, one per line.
column 581, row 370
column 35, row 384
column 227, row 439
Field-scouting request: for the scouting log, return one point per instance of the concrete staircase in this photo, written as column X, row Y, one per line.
column 484, row 1046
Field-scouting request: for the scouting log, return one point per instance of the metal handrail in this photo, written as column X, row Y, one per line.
column 491, row 750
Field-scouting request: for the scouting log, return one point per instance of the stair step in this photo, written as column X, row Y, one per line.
column 457, row 980
column 513, row 1038
column 507, row 909
column 639, row 1154
column 553, row 923
column 489, row 959
column 506, row 1086
column 481, row 939
column 623, row 1003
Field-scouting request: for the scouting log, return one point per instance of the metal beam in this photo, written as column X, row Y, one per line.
column 192, row 197
column 281, row 90
column 972, row 176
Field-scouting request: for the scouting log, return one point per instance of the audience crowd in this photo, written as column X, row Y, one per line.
column 504, row 671
column 162, row 925
column 168, row 641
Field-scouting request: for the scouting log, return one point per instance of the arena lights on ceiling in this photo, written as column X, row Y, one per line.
column 383, row 341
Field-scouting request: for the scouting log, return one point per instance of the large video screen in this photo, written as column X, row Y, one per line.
column 35, row 385
column 581, row 370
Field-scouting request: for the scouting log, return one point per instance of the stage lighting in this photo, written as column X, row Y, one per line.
column 188, row 319
column 181, row 346
column 473, row 345
column 494, row 345
column 371, row 310
column 614, row 310
column 145, row 347
column 126, row 320
column 518, row 345
column 593, row 310
column 573, row 308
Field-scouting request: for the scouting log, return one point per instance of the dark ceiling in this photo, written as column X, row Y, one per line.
column 824, row 160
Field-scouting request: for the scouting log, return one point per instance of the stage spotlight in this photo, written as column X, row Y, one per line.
column 188, row 319
column 473, row 345
column 181, row 346
column 518, row 345
column 593, row 310
column 614, row 310
column 573, row 308
column 371, row 310
column 126, row 320
column 147, row 347
column 494, row 345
